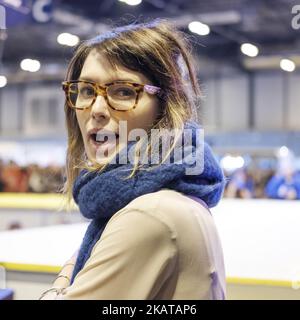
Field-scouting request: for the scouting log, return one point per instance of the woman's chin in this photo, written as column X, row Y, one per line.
column 102, row 157
column 102, row 153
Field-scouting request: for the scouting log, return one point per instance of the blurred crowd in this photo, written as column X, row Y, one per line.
column 261, row 183
column 241, row 183
column 31, row 178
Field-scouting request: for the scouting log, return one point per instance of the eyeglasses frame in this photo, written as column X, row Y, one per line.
column 102, row 90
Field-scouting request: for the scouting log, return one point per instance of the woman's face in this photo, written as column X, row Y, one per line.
column 100, row 116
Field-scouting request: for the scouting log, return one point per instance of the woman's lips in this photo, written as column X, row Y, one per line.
column 103, row 143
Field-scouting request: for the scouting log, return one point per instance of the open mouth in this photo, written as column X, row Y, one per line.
column 101, row 138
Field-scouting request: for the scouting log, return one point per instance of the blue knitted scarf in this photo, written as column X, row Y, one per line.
column 100, row 195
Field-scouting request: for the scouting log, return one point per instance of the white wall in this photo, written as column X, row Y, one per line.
column 227, row 102
column 234, row 102
column 31, row 111
column 293, row 104
column 268, row 102
column 10, row 108
column 44, row 110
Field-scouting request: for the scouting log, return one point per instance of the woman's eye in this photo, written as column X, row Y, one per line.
column 87, row 92
column 124, row 92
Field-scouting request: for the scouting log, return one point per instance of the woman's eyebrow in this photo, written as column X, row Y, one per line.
column 109, row 80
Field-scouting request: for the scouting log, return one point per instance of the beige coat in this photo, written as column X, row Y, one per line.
column 162, row 245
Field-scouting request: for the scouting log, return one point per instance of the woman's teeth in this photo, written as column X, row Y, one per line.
column 99, row 139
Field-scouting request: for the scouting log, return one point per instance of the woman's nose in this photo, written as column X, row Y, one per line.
column 100, row 109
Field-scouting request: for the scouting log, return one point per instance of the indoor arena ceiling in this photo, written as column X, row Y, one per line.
column 266, row 23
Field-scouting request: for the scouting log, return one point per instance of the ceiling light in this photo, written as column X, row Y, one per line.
column 67, row 39
column 287, row 65
column 131, row 2
column 249, row 49
column 3, row 81
column 30, row 65
column 200, row 28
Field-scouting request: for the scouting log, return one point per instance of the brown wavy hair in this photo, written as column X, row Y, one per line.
column 156, row 49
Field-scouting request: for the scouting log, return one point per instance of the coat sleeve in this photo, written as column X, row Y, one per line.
column 133, row 258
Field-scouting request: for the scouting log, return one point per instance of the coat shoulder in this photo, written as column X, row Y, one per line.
column 171, row 207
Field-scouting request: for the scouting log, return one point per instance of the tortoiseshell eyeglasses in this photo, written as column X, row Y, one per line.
column 120, row 95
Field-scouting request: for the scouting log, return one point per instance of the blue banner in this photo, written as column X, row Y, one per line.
column 18, row 12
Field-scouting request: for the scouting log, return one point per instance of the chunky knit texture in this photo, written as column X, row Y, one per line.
column 100, row 195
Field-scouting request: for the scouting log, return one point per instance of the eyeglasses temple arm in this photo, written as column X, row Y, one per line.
column 151, row 89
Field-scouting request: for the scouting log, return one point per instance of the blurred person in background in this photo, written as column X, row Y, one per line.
column 31, row 178
column 285, row 184
column 261, row 178
column 14, row 178
column 1, row 180
column 36, row 182
column 240, row 185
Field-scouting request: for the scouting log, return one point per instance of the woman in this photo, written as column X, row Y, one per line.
column 151, row 234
